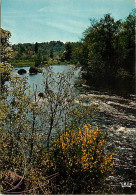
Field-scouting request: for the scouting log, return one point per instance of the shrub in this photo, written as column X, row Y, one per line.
column 81, row 159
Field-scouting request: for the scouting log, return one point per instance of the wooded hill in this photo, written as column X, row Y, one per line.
column 44, row 48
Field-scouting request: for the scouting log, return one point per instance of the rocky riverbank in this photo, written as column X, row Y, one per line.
column 116, row 117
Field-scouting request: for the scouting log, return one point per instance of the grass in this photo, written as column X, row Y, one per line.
column 22, row 63
column 28, row 63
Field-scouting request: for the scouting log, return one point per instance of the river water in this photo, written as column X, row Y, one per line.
column 116, row 116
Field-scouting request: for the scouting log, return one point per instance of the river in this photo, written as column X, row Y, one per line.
column 116, row 116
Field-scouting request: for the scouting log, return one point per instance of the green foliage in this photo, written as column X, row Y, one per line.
column 51, row 53
column 19, row 141
column 43, row 48
column 81, row 115
column 5, row 49
column 36, row 47
column 108, row 45
column 72, row 52
column 76, row 49
column 81, row 159
column 38, row 59
column 22, row 63
column 59, row 52
column 5, row 55
column 68, row 51
column 127, row 44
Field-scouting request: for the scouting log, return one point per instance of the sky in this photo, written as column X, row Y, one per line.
column 31, row 21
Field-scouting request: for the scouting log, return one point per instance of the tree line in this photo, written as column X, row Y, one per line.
column 46, row 52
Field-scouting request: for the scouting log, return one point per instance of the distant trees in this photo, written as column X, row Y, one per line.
column 76, row 49
column 38, row 59
column 51, row 53
column 72, row 52
column 57, row 50
column 21, row 48
column 36, row 47
column 44, row 48
column 68, row 51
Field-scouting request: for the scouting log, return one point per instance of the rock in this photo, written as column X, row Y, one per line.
column 41, row 95
column 22, row 71
column 34, row 70
column 39, row 70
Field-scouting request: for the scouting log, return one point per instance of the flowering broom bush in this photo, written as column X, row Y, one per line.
column 81, row 159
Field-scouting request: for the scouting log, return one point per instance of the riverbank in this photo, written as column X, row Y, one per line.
column 29, row 63
column 22, row 63
column 116, row 116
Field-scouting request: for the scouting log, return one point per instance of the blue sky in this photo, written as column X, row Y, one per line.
column 65, row 20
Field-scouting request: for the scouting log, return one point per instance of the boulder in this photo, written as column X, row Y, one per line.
column 22, row 71
column 41, row 95
column 34, row 70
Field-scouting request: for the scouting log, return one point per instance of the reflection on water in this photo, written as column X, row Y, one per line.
column 38, row 79
column 114, row 110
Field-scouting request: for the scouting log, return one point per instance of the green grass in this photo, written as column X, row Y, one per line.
column 27, row 63
column 59, row 63
column 22, row 63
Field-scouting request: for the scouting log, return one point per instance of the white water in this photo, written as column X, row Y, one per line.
column 116, row 116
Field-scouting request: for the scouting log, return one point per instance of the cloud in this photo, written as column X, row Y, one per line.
column 72, row 26
column 55, row 6
column 79, row 24
column 57, row 19
column 72, row 11
column 64, row 27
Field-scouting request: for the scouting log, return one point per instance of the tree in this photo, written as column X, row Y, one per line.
column 59, row 101
column 36, row 47
column 126, row 44
column 5, row 49
column 38, row 59
column 21, row 49
column 5, row 55
column 108, row 46
column 74, row 55
column 51, row 53
column 19, row 137
column 68, row 51
column 99, row 41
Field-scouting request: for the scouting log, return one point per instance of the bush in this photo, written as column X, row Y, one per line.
column 5, row 70
column 81, row 159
